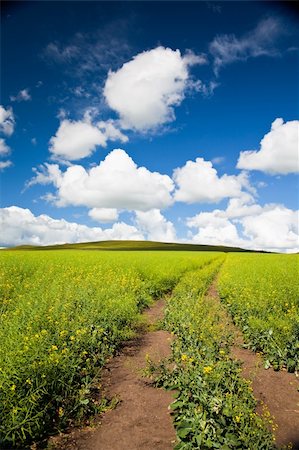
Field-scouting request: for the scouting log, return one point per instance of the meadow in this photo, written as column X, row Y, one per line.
column 214, row 406
column 65, row 312
column 262, row 295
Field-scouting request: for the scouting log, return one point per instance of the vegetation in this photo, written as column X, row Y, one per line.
column 62, row 315
column 262, row 295
column 214, row 406
column 133, row 246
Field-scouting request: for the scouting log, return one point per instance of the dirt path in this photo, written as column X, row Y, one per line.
column 277, row 390
column 141, row 419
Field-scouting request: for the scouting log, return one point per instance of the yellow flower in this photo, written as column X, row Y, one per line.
column 28, row 381
column 60, row 411
column 237, row 419
column 207, row 369
column 13, row 387
column 222, row 352
column 54, row 347
column 184, row 357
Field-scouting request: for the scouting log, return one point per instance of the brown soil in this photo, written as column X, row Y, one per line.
column 141, row 419
column 278, row 391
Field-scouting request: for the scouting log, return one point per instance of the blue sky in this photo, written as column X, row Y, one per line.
column 184, row 89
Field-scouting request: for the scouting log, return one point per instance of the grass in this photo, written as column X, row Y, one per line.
column 261, row 293
column 63, row 313
column 133, row 245
column 214, row 406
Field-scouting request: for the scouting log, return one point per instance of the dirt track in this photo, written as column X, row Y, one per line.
column 141, row 420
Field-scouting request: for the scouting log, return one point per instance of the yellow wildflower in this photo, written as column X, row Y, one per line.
column 207, row 369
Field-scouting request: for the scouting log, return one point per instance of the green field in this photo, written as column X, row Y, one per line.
column 133, row 246
column 262, row 295
column 64, row 313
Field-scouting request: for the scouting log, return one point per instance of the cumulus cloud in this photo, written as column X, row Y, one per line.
column 78, row 139
column 155, row 226
column 249, row 225
column 197, row 181
column 22, row 96
column 145, row 90
column 4, row 148
column 227, row 48
column 116, row 182
column 278, row 152
column 111, row 132
column 214, row 230
column 276, row 227
column 103, row 215
column 7, row 121
column 75, row 140
column 20, row 226
column 4, row 165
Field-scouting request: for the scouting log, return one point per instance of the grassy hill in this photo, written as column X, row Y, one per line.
column 132, row 246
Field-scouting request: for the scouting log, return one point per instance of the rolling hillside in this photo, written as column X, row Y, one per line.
column 132, row 246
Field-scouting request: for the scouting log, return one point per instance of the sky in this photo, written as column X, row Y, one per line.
column 164, row 121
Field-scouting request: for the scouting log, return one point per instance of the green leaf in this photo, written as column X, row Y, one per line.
column 177, row 404
column 183, row 432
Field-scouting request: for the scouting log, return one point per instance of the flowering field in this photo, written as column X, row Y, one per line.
column 214, row 405
column 262, row 295
column 63, row 313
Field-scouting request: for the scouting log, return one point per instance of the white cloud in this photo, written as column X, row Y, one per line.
column 214, row 230
column 75, row 140
column 78, row 139
column 278, row 152
column 276, row 227
column 116, row 182
column 5, row 165
column 227, row 48
column 111, row 132
column 4, row 148
column 155, row 226
column 103, row 215
column 145, row 90
column 22, row 96
column 271, row 227
column 7, row 121
column 198, row 181
column 19, row 226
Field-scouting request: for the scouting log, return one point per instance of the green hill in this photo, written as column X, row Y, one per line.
column 132, row 246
